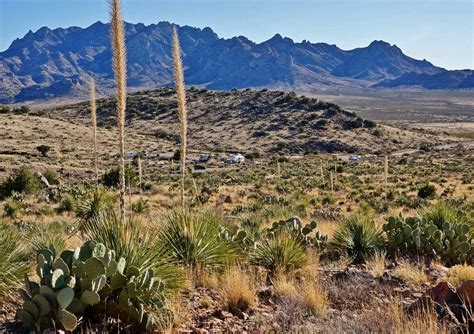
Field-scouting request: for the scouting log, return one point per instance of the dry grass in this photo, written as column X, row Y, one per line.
column 120, row 73
column 237, row 290
column 315, row 299
column 182, row 112
column 413, row 274
column 421, row 322
column 305, row 287
column 459, row 274
column 283, row 286
column 376, row 264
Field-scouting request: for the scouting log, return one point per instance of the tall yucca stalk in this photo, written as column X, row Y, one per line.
column 120, row 73
column 386, row 172
column 94, row 132
column 182, row 112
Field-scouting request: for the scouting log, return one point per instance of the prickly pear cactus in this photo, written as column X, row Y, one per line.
column 451, row 242
column 88, row 283
column 302, row 233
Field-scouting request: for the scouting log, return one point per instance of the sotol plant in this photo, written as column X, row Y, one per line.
column 120, row 74
column 182, row 112
column 94, row 131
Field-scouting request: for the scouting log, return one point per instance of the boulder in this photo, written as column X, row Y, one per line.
column 443, row 293
column 466, row 292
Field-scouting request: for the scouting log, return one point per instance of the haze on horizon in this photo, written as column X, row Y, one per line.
column 440, row 31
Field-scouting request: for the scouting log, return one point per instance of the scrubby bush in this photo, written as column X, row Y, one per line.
column 359, row 237
column 111, row 178
column 52, row 177
column 24, row 181
column 68, row 203
column 43, row 149
column 13, row 209
column 427, row 191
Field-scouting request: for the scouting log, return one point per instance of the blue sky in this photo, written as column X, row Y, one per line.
column 442, row 31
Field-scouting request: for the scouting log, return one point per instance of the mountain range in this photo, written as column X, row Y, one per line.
column 58, row 63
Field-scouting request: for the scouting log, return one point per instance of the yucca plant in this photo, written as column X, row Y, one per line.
column 282, row 252
column 42, row 236
column 93, row 206
column 194, row 240
column 13, row 262
column 120, row 73
column 359, row 237
column 140, row 247
column 182, row 112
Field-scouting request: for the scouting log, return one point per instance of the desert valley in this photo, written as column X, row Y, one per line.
column 160, row 178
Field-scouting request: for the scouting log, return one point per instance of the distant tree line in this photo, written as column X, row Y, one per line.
column 15, row 110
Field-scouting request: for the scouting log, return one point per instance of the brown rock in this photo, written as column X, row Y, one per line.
column 443, row 293
column 466, row 292
column 404, row 292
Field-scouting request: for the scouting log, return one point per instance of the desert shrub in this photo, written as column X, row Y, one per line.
column 91, row 283
column 43, row 150
column 359, row 237
column 281, row 252
column 427, row 191
column 140, row 206
column 24, row 181
column 369, row 124
column 4, row 109
column 193, row 239
column 68, row 203
column 322, row 122
column 111, row 178
column 13, row 209
column 52, row 177
column 13, row 262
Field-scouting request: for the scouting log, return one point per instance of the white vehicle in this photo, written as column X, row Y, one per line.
column 354, row 158
column 234, row 159
column 161, row 164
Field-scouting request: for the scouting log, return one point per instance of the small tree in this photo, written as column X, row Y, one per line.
column 44, row 150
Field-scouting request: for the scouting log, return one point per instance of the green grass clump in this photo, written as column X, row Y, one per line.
column 282, row 252
column 193, row 239
column 13, row 261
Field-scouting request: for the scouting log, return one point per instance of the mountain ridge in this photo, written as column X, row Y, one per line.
column 51, row 63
